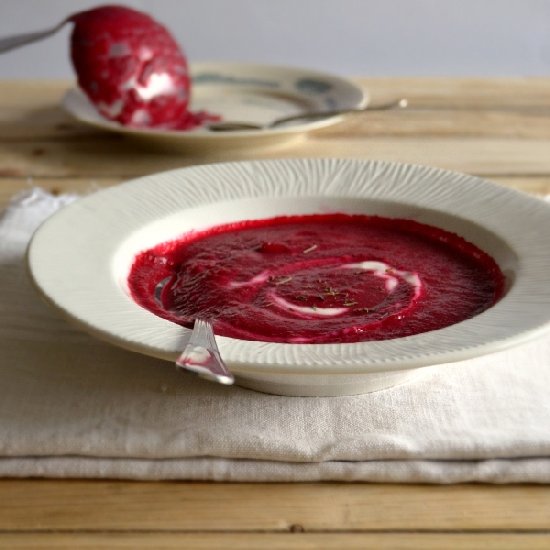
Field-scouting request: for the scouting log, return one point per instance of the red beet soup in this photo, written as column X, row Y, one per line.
column 321, row 278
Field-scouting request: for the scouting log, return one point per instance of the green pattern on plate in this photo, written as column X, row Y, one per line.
column 313, row 86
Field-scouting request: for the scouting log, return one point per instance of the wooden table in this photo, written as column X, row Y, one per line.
column 499, row 129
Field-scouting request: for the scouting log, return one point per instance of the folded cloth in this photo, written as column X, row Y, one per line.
column 71, row 405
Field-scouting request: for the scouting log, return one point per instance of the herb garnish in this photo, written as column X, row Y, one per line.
column 310, row 249
column 283, row 280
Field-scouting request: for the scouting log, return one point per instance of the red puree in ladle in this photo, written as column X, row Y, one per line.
column 132, row 69
column 318, row 279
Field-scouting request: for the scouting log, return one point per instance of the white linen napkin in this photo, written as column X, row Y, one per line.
column 72, row 406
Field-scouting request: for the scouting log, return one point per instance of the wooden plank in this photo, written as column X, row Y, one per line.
column 446, row 122
column 31, row 94
column 512, row 93
column 537, row 185
column 46, row 123
column 271, row 541
column 27, row 505
column 108, row 158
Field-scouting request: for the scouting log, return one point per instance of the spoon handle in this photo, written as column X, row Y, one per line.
column 233, row 126
column 399, row 104
column 9, row 43
column 201, row 355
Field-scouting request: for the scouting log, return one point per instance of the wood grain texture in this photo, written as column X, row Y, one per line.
column 460, row 93
column 271, row 541
column 88, row 505
column 478, row 156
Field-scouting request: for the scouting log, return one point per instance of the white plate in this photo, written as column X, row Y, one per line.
column 243, row 92
column 80, row 259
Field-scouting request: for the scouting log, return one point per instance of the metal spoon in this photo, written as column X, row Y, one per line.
column 232, row 126
column 201, row 354
column 9, row 43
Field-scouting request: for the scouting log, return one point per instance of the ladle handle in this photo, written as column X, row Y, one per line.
column 15, row 41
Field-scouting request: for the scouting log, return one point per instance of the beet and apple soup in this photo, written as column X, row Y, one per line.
column 321, row 278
